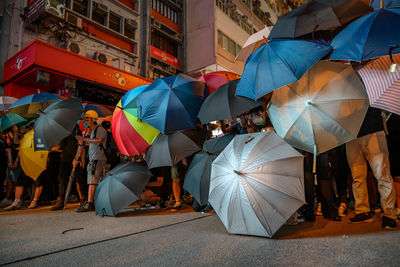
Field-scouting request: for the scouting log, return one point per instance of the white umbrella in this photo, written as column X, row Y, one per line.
column 251, row 44
column 322, row 110
column 256, row 184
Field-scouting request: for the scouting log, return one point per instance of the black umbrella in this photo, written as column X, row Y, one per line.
column 318, row 15
column 197, row 178
column 168, row 150
column 120, row 187
column 56, row 122
column 223, row 104
column 69, row 186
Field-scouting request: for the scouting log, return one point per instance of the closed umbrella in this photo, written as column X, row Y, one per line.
column 168, row 150
column 256, row 184
column 324, row 109
column 10, row 120
column 56, row 122
column 171, row 104
column 197, row 177
column 223, row 104
column 6, row 102
column 120, row 187
column 318, row 15
column 33, row 163
column 383, row 85
column 371, row 36
column 29, row 106
column 278, row 63
column 252, row 43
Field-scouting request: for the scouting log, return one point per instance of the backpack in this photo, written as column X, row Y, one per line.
column 111, row 148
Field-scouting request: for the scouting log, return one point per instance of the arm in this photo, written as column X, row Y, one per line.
column 157, row 183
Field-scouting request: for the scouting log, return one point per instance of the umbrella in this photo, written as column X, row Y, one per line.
column 278, row 63
column 33, row 162
column 371, row 36
column 131, row 134
column 256, row 184
column 29, row 106
column 171, row 104
column 10, row 120
column 101, row 110
column 324, row 109
column 56, row 122
column 69, row 186
column 168, row 150
column 318, row 15
column 223, row 104
column 6, row 102
column 216, row 79
column 120, row 187
column 376, row 4
column 252, row 43
column 197, row 177
column 383, row 86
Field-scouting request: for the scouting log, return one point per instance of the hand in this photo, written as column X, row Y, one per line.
column 14, row 166
column 79, row 138
column 10, row 165
column 75, row 163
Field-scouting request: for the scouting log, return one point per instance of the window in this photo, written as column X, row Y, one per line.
column 228, row 44
column 130, row 27
column 163, row 44
column 114, row 22
column 99, row 13
column 81, row 7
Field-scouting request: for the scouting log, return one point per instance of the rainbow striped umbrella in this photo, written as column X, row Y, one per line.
column 131, row 134
column 383, row 83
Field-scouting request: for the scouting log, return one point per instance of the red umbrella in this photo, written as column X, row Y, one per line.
column 382, row 81
column 216, row 79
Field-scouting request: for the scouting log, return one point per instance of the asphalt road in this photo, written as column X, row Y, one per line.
column 185, row 238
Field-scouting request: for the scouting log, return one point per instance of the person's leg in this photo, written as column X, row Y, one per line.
column 16, row 204
column 176, row 190
column 396, row 180
column 92, row 189
column 36, row 196
column 308, row 208
column 95, row 172
column 63, row 175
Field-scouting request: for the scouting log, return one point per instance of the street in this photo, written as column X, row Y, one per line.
column 185, row 238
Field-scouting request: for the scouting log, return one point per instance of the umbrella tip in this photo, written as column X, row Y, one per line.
column 170, row 86
column 238, row 172
column 265, row 39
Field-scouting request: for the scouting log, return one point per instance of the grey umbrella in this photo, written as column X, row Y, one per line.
column 120, row 187
column 56, row 122
column 223, row 104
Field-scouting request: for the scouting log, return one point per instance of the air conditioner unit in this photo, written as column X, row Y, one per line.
column 156, row 23
column 103, row 9
column 73, row 20
column 103, row 58
column 179, row 37
column 133, row 23
column 76, row 48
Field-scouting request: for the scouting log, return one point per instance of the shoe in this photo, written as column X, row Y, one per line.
column 342, row 210
column 5, row 202
column 14, row 206
column 33, row 205
column 361, row 218
column 87, row 206
column 207, row 209
column 292, row 220
column 319, row 210
column 177, row 206
column 59, row 205
column 388, row 223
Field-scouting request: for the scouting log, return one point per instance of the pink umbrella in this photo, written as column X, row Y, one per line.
column 216, row 79
column 382, row 81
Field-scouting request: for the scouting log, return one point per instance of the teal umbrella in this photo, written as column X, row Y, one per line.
column 10, row 120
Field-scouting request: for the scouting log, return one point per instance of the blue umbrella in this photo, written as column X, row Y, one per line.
column 10, row 120
column 374, row 35
column 376, row 4
column 29, row 106
column 278, row 63
column 132, row 94
column 171, row 104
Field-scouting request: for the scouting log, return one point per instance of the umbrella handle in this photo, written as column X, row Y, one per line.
column 390, row 52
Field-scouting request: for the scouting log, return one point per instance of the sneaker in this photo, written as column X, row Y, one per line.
column 87, row 206
column 5, row 202
column 319, row 210
column 59, row 205
column 207, row 209
column 342, row 210
column 33, row 204
column 14, row 206
column 361, row 218
column 388, row 223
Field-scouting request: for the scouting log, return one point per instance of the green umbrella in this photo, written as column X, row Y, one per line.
column 10, row 120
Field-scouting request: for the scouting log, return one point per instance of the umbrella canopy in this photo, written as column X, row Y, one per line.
column 223, row 104
column 6, row 102
column 256, row 184
column 371, row 36
column 324, row 109
column 383, row 86
column 101, row 110
column 318, row 15
column 278, row 63
column 10, row 120
column 376, row 4
column 216, row 79
column 29, row 106
column 120, row 187
column 252, row 43
column 171, row 104
column 197, row 177
column 56, row 122
column 168, row 150
column 33, row 162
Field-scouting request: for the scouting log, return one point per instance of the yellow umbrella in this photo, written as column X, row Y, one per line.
column 33, row 162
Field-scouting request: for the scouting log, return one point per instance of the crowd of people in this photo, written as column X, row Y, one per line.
column 363, row 174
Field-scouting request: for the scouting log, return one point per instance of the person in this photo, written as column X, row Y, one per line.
column 69, row 146
column 97, row 157
column 158, row 189
column 371, row 146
